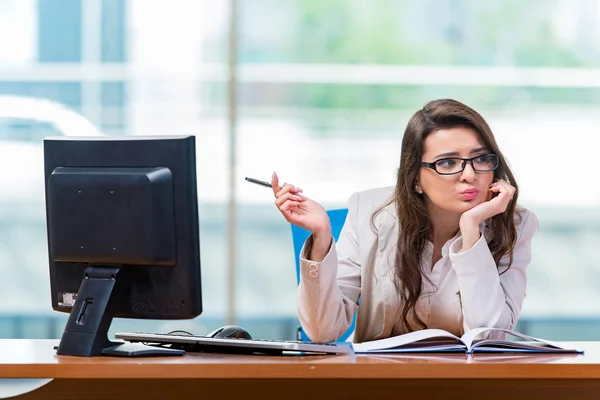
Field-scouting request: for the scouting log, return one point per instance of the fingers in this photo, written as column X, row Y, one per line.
column 290, row 210
column 288, row 207
column 505, row 194
column 291, row 188
column 501, row 186
column 275, row 183
column 279, row 191
column 289, row 204
column 287, row 197
column 506, row 187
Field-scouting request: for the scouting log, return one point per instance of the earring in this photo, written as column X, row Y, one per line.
column 418, row 189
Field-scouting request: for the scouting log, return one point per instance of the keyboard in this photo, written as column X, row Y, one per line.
column 193, row 343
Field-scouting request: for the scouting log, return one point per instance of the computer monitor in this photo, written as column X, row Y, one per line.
column 123, row 237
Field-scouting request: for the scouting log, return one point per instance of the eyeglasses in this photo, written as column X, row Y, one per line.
column 451, row 166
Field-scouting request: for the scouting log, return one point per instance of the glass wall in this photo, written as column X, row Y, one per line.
column 325, row 89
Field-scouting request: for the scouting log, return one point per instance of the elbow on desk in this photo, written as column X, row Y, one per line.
column 319, row 332
column 318, row 336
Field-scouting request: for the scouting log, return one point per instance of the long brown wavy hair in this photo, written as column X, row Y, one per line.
column 415, row 226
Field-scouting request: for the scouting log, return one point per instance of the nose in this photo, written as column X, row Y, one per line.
column 468, row 174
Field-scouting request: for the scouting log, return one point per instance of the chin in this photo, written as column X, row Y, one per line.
column 467, row 205
column 454, row 205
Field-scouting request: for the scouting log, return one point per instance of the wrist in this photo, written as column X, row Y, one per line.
column 321, row 231
column 322, row 239
column 319, row 247
column 470, row 235
column 469, row 223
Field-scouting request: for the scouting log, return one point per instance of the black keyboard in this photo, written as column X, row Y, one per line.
column 232, row 345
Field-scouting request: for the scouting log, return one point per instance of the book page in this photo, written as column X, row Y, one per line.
column 422, row 340
column 532, row 344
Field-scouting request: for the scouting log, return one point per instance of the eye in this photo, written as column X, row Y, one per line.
column 487, row 159
column 447, row 163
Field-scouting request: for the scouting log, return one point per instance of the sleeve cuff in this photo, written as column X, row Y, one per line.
column 311, row 270
column 471, row 259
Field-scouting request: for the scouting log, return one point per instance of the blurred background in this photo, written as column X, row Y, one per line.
column 319, row 91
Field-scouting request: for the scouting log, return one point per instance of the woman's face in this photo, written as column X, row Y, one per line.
column 462, row 191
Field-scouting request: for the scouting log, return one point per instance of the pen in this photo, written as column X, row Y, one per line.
column 259, row 182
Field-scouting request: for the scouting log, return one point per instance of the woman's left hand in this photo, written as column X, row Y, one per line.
column 495, row 205
column 471, row 219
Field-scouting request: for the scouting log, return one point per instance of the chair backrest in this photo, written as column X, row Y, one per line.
column 299, row 236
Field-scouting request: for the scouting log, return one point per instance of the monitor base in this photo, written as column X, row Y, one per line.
column 139, row 350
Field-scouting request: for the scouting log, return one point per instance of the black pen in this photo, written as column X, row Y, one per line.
column 259, row 182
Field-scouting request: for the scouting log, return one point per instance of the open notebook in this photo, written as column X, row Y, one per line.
column 437, row 340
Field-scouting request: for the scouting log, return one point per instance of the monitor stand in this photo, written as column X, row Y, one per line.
column 86, row 333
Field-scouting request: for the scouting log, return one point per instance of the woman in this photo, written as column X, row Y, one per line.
column 445, row 248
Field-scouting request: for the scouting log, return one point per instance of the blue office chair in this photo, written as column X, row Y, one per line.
column 299, row 236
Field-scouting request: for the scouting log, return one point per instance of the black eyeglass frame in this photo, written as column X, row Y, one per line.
column 432, row 165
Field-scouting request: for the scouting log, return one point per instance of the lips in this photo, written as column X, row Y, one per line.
column 469, row 194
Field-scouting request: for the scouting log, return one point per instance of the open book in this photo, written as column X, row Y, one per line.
column 438, row 341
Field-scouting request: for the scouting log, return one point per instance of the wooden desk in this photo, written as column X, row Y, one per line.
column 201, row 376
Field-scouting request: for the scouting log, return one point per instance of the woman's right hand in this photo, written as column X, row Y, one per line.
column 300, row 210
